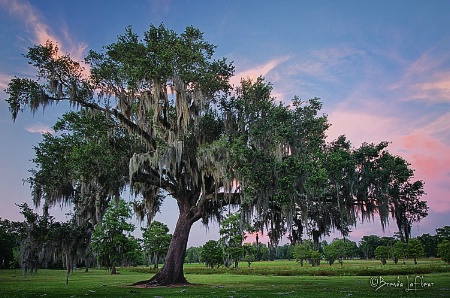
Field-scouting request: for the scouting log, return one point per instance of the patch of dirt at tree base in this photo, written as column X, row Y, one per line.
column 149, row 285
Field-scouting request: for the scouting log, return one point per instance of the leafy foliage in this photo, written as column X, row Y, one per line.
column 193, row 255
column 212, row 254
column 339, row 249
column 415, row 249
column 305, row 251
column 382, row 253
column 232, row 235
column 10, row 236
column 84, row 163
column 443, row 250
column 401, row 250
column 429, row 243
column 156, row 240
column 112, row 241
column 368, row 244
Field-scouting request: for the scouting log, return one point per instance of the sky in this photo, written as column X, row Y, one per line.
column 381, row 69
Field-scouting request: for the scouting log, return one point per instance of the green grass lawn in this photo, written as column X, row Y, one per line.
column 262, row 279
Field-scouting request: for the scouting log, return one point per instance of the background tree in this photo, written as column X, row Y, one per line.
column 10, row 233
column 443, row 250
column 285, row 251
column 212, row 254
column 443, row 246
column 336, row 250
column 443, row 233
column 368, row 244
column 400, row 250
column 69, row 241
column 429, row 243
column 262, row 251
column 307, row 251
column 382, row 253
column 232, row 235
column 34, row 239
column 249, row 253
column 351, row 249
column 389, row 243
column 111, row 240
column 193, row 255
column 330, row 254
column 156, row 240
column 415, row 249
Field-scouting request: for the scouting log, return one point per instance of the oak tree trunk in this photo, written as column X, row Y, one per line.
column 156, row 260
column 172, row 271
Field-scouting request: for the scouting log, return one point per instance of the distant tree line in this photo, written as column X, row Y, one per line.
column 232, row 248
column 41, row 242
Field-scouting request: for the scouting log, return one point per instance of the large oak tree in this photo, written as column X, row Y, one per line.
column 208, row 145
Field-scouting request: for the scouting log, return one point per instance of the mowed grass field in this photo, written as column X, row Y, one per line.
column 357, row 278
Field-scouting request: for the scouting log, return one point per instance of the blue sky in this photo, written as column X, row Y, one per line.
column 381, row 68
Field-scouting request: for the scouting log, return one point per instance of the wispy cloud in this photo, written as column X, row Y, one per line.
column 268, row 70
column 40, row 31
column 427, row 78
column 439, row 128
column 328, row 64
column 39, row 128
column 436, row 89
column 258, row 70
column 4, row 80
column 23, row 10
column 160, row 7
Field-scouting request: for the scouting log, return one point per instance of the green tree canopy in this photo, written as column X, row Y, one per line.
column 443, row 250
column 10, row 236
column 337, row 249
column 415, row 249
column 368, row 244
column 156, row 241
column 84, row 163
column 382, row 253
column 400, row 250
column 429, row 243
column 112, row 241
column 232, row 235
column 443, row 233
column 212, row 254
column 193, row 255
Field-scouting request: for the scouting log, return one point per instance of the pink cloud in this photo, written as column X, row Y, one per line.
column 251, row 238
column 39, row 128
column 430, row 157
column 4, row 80
column 361, row 126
